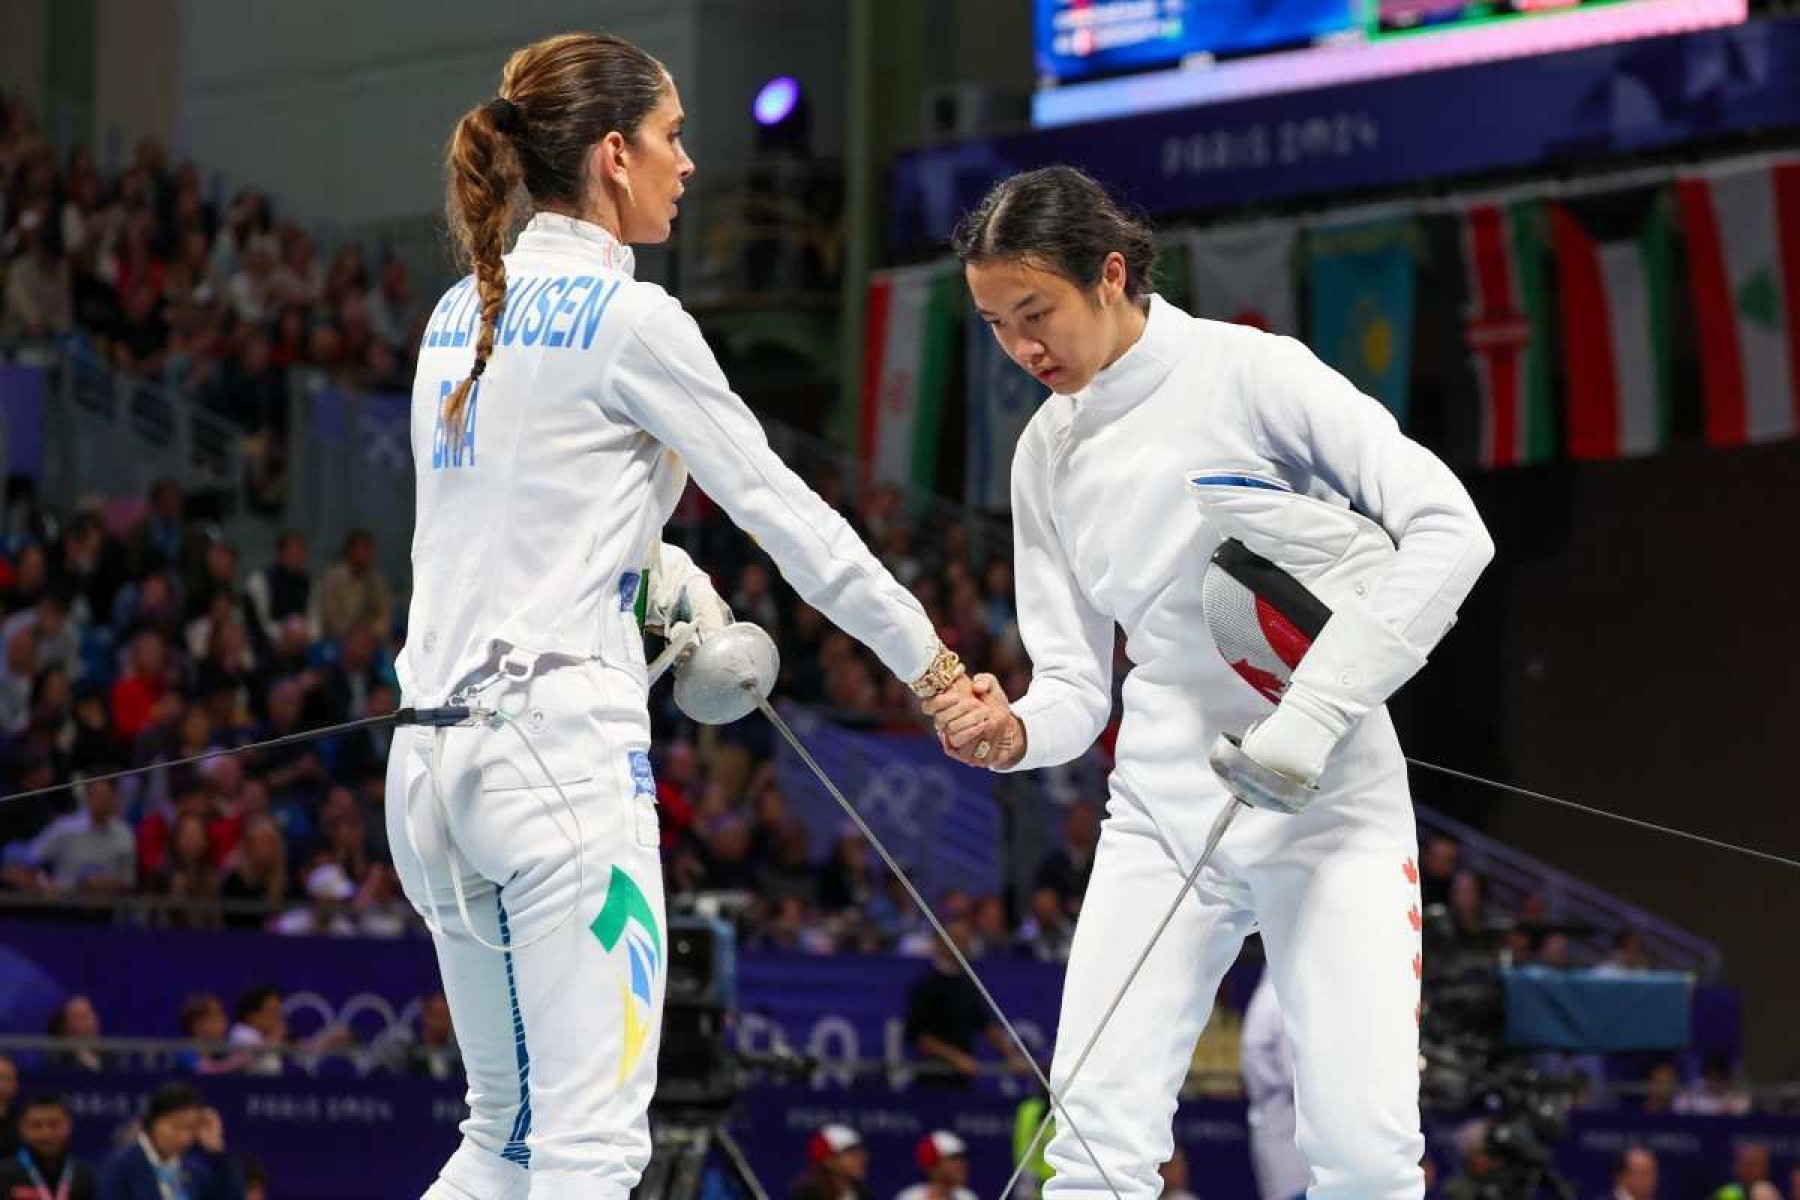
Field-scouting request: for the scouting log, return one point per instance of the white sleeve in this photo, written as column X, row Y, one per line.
column 1068, row 642
column 1311, row 418
column 667, row 383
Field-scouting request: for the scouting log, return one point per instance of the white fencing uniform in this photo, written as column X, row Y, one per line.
column 531, row 534
column 1105, row 532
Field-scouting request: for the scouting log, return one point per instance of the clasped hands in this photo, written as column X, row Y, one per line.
column 975, row 723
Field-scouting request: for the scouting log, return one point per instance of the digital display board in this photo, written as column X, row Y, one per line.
column 1098, row 59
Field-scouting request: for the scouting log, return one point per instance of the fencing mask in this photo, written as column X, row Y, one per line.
column 1286, row 560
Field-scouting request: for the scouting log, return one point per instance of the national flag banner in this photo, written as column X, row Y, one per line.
column 1360, row 304
column 913, row 319
column 1002, row 399
column 1613, row 255
column 1507, row 329
column 1244, row 274
column 1742, row 230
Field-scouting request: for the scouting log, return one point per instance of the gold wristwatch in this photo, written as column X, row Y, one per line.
column 945, row 669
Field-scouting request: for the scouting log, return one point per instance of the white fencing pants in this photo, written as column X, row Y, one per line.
column 1337, row 908
column 559, row 1032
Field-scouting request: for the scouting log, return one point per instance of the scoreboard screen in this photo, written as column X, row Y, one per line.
column 1108, row 58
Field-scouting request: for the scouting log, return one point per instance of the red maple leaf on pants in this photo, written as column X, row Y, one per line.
column 1412, row 916
column 1412, row 872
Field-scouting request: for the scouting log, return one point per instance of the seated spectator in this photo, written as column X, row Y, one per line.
column 1468, row 911
column 1635, row 1174
column 138, row 696
column 256, row 878
column 1627, row 955
column 187, row 785
column 136, row 265
column 753, row 600
column 725, row 856
column 190, row 877
column 847, row 881
column 91, row 851
column 1661, row 1087
column 837, row 1166
column 250, row 389
column 392, row 310
column 293, row 771
column 791, row 928
column 56, row 637
column 142, row 343
column 159, row 540
column 380, row 908
column 76, row 1027
column 203, row 1022
column 151, row 603
column 434, row 1054
column 329, row 892
column 362, row 753
column 345, row 835
column 789, row 871
column 943, row 1160
column 179, row 1154
column 1066, row 871
column 353, row 591
column 251, row 288
column 228, row 678
column 282, row 589
column 43, row 1167
column 1048, row 933
column 40, row 293
column 1714, row 1095
column 1750, row 1171
column 1437, row 868
column 945, row 1014
column 346, row 686
column 212, row 574
column 92, row 567
column 16, row 679
column 259, row 1030
column 676, row 777
column 993, row 935
column 298, row 277
column 30, row 574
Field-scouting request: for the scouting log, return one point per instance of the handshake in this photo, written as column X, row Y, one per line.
column 975, row 723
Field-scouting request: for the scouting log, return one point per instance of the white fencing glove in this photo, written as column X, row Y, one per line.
column 681, row 604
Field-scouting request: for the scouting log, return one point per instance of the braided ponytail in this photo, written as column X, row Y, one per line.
column 485, row 176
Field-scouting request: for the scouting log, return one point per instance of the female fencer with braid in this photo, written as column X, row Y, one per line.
column 554, row 394
column 1165, row 439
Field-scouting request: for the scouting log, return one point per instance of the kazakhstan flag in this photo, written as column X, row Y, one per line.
column 1360, row 289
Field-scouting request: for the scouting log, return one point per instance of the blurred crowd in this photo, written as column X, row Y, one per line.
column 146, row 269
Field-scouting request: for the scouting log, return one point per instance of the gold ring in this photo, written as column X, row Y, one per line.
column 983, row 748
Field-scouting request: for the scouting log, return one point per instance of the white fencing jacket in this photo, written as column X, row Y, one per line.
column 533, row 527
column 1105, row 531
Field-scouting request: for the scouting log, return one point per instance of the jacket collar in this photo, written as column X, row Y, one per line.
column 554, row 233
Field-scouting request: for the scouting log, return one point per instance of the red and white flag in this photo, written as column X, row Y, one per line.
column 1743, row 251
